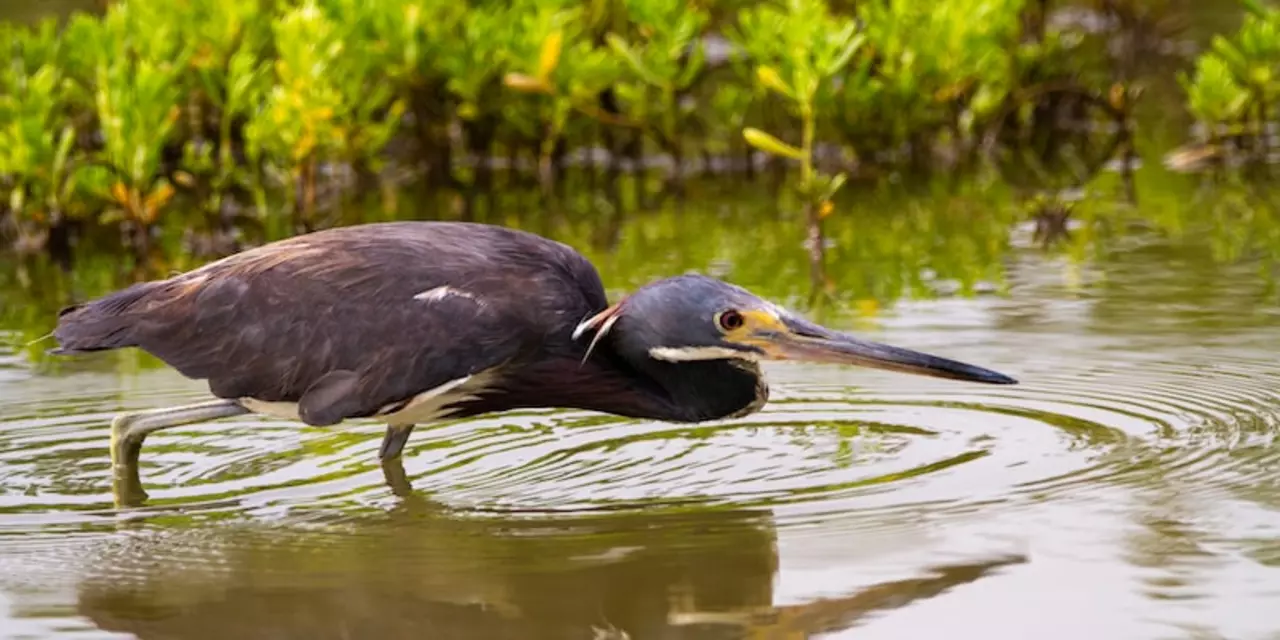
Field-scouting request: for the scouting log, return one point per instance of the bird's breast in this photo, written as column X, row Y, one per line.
column 434, row 404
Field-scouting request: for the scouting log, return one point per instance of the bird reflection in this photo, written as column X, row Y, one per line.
column 422, row 569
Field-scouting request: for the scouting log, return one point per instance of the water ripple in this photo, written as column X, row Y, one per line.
column 1206, row 425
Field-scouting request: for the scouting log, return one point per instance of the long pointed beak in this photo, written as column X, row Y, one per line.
column 804, row 340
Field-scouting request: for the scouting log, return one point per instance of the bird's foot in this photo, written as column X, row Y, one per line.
column 126, row 446
column 393, row 442
column 397, row 480
column 129, row 430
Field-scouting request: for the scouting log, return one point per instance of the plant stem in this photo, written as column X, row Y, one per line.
column 307, row 184
column 815, row 241
column 545, row 170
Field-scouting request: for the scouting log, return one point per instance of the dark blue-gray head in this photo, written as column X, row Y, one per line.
column 692, row 317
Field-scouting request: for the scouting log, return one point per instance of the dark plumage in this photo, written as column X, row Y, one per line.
column 358, row 322
column 330, row 317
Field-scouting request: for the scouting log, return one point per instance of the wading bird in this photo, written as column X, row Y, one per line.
column 414, row 322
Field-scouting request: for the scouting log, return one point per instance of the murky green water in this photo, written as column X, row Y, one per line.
column 1126, row 489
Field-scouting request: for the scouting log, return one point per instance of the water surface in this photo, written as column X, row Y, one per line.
column 1127, row 488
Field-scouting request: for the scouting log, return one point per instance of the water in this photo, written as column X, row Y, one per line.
column 1125, row 489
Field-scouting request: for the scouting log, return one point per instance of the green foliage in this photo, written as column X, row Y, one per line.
column 113, row 118
column 1237, row 81
column 797, row 48
column 932, row 63
column 137, row 88
column 666, row 58
column 1213, row 95
column 797, row 45
column 36, row 135
column 228, row 42
column 553, row 58
column 474, row 61
column 326, row 102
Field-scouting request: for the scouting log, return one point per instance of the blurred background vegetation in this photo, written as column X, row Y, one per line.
column 142, row 136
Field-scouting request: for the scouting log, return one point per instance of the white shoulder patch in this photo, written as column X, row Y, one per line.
column 440, row 293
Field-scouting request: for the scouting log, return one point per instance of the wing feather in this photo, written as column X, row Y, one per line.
column 334, row 320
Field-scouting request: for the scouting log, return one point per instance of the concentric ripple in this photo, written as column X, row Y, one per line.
column 1203, row 423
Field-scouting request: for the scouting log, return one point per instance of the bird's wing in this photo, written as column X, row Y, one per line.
column 343, row 332
column 340, row 345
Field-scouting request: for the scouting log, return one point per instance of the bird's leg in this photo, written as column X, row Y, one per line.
column 394, row 440
column 128, row 430
column 395, row 477
column 389, row 453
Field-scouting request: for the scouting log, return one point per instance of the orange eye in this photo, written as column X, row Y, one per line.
column 730, row 320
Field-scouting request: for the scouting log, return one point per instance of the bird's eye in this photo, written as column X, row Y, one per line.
column 729, row 320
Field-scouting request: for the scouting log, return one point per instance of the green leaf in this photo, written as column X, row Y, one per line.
column 770, row 144
column 691, row 68
column 65, row 142
column 841, row 60
column 769, row 78
column 834, row 185
column 633, row 60
column 549, row 55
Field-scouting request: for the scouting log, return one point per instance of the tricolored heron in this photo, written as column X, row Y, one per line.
column 413, row 322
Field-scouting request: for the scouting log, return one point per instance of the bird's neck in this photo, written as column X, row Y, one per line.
column 673, row 391
column 652, row 389
column 708, row 390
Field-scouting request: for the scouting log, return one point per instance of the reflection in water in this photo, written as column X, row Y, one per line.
column 421, row 570
column 1134, row 467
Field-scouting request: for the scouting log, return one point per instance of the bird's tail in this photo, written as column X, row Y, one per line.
column 102, row 324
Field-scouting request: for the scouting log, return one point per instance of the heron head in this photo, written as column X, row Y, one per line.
column 693, row 317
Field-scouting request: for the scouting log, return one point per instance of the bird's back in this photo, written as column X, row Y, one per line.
column 401, row 304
